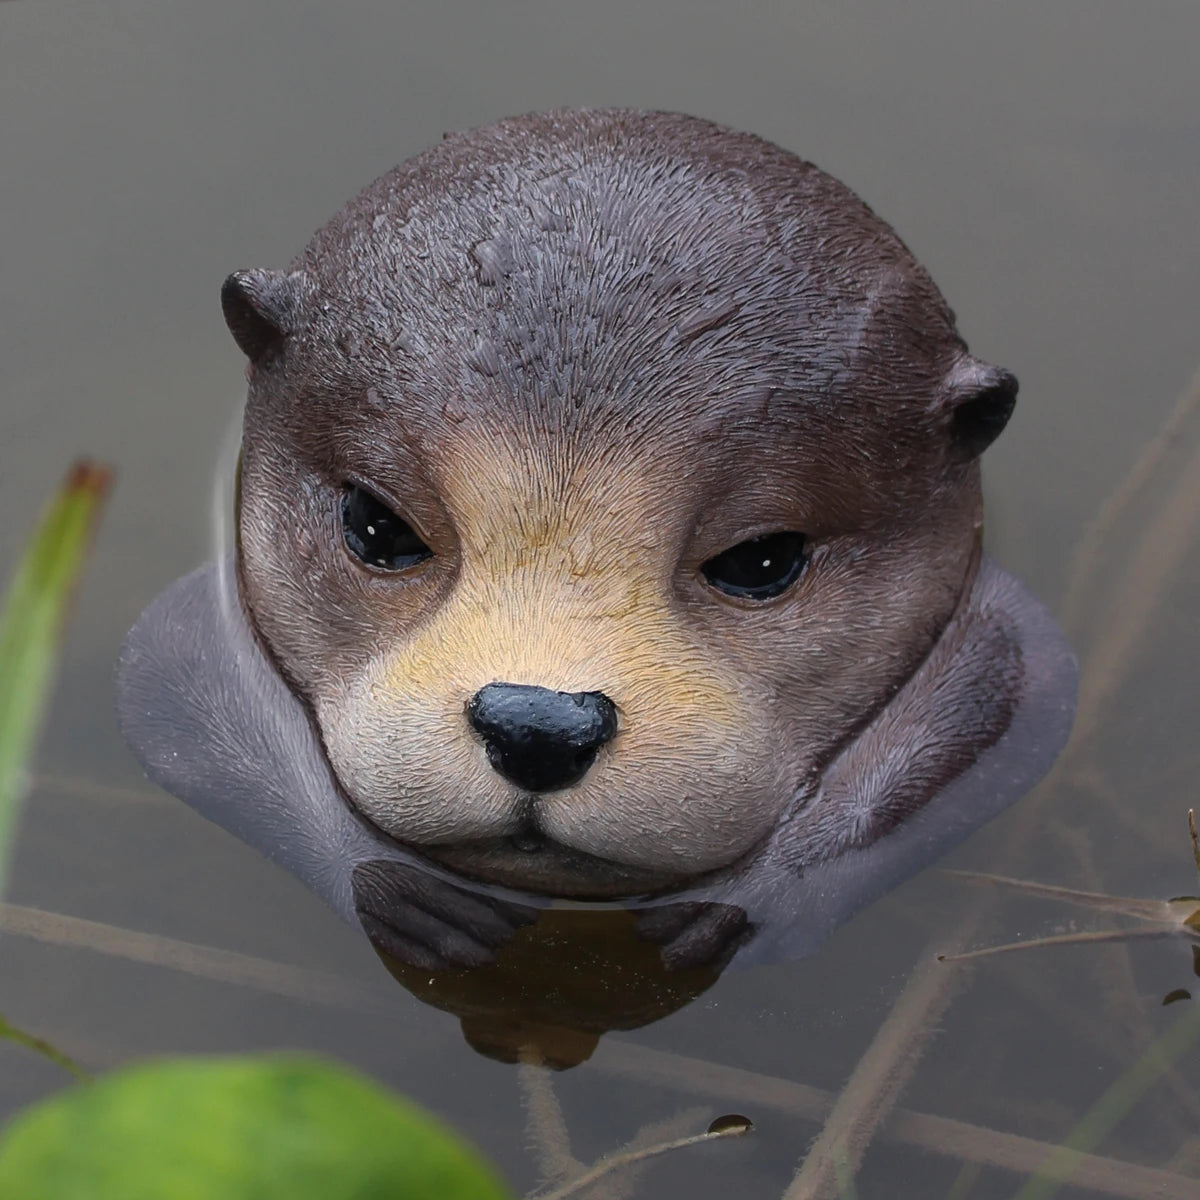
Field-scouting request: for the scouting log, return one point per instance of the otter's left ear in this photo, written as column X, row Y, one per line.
column 261, row 309
column 977, row 400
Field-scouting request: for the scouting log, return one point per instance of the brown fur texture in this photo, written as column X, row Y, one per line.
column 582, row 353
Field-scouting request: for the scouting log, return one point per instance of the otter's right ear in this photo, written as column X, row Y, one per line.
column 979, row 399
column 260, row 309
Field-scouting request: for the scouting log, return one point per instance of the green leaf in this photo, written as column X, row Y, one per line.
column 31, row 621
column 277, row 1127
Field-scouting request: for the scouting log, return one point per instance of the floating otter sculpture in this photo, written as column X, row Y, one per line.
column 608, row 527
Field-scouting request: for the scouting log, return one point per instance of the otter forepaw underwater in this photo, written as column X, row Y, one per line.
column 608, row 531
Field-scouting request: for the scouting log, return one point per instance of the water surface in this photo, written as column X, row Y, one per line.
column 1045, row 165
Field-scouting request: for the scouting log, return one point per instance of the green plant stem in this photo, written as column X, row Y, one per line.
column 31, row 621
column 44, row 1048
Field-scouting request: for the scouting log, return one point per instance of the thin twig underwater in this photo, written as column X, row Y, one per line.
column 1178, row 917
column 881, row 1075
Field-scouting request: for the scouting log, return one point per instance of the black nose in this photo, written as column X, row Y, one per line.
column 539, row 739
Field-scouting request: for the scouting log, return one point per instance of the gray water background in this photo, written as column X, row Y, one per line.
column 1042, row 160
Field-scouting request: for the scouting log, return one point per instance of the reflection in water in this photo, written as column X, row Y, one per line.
column 557, row 986
column 539, row 984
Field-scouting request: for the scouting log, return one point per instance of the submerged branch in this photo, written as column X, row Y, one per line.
column 1091, row 937
column 1128, row 906
column 880, row 1077
column 545, row 1121
column 205, row 962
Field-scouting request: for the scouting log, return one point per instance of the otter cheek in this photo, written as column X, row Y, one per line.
column 401, row 763
column 684, row 804
column 675, row 829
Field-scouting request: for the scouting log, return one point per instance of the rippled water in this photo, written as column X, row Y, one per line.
column 1045, row 165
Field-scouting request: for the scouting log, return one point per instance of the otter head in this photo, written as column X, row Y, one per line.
column 603, row 473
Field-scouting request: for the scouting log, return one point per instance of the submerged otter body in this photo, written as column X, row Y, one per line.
column 609, row 525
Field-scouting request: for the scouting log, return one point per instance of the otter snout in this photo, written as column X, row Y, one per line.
column 539, row 739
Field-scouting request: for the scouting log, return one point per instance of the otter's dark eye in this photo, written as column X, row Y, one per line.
column 377, row 535
column 759, row 568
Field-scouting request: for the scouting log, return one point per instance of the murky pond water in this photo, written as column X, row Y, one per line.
column 1045, row 165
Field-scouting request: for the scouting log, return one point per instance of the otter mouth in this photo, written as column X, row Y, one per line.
column 529, row 841
column 530, row 861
